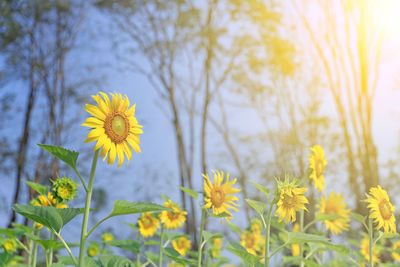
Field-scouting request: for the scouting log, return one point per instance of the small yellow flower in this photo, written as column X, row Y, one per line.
column 256, row 226
column 10, row 245
column 296, row 247
column 335, row 204
column 38, row 226
column 381, row 210
column 61, row 206
column 93, row 250
column 45, row 201
column 182, row 245
column 115, row 127
column 107, row 237
column 364, row 250
column 148, row 224
column 175, row 218
column 218, row 196
column 317, row 165
column 291, row 200
column 396, row 252
column 252, row 242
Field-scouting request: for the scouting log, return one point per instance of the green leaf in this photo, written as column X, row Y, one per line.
column 16, row 233
column 152, row 257
column 4, row 259
column 262, row 189
column 358, row 217
column 234, row 228
column 68, row 156
column 326, row 217
column 258, row 206
column 50, row 217
column 240, row 251
column 297, row 237
column 115, row 260
column 123, row 207
column 207, row 236
column 190, row 192
column 131, row 245
column 41, row 189
column 175, row 256
column 47, row 244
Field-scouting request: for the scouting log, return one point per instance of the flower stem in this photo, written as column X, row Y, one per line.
column 371, row 242
column 51, row 250
column 35, row 249
column 138, row 263
column 67, row 248
column 267, row 234
column 87, row 209
column 200, row 248
column 160, row 255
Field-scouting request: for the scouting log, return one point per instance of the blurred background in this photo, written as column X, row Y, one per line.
column 240, row 86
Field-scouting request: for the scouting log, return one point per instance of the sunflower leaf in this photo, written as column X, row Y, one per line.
column 358, row 217
column 209, row 236
column 68, row 156
column 189, row 191
column 297, row 237
column 131, row 245
column 123, row 207
column 41, row 189
column 258, row 206
column 326, row 217
column 115, row 260
column 240, row 251
column 262, row 189
column 175, row 256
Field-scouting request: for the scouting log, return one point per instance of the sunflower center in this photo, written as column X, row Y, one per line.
column 173, row 215
column 146, row 222
column 217, row 196
column 116, row 126
column 319, row 167
column 64, row 192
column 385, row 210
column 289, row 200
column 250, row 242
column 8, row 246
column 331, row 209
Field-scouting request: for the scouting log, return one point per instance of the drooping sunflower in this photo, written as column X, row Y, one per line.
column 148, row 224
column 252, row 242
column 296, row 247
column 175, row 218
column 381, row 210
column 115, row 127
column 317, row 165
column 364, row 250
column 218, row 196
column 335, row 204
column 290, row 200
column 182, row 245
column 107, row 237
column 216, row 247
column 396, row 252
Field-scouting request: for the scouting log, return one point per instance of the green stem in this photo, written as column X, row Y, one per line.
column 371, row 242
column 138, row 263
column 51, row 250
column 80, row 177
column 97, row 224
column 34, row 257
column 67, row 248
column 267, row 234
column 87, row 209
column 200, row 248
column 46, row 258
column 160, row 255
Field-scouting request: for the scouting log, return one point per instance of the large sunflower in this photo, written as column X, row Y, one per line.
column 182, row 245
column 381, row 210
column 148, row 224
column 116, row 129
column 291, row 199
column 335, row 204
column 175, row 218
column 317, row 165
column 364, row 250
column 218, row 196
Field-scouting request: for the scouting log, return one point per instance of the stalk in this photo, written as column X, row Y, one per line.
column 138, row 263
column 51, row 250
column 87, row 209
column 267, row 235
column 371, row 242
column 200, row 248
column 161, row 247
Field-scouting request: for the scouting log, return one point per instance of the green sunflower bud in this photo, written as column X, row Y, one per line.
column 64, row 189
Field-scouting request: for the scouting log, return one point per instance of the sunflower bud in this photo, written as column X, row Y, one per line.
column 64, row 189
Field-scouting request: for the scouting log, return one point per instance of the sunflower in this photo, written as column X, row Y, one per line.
column 317, row 165
column 93, row 249
column 64, row 189
column 252, row 242
column 296, row 247
column 115, row 127
column 148, row 224
column 107, row 237
column 381, row 210
column 364, row 250
column 216, row 246
column 175, row 218
column 290, row 200
column 45, row 201
column 335, row 204
column 396, row 251
column 256, row 226
column 182, row 245
column 218, row 196
column 10, row 245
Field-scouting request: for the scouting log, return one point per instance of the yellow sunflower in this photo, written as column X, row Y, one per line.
column 396, row 252
column 218, row 196
column 148, row 224
column 335, row 204
column 115, row 127
column 317, row 165
column 175, row 218
column 216, row 247
column 296, row 247
column 107, row 237
column 252, row 242
column 93, row 250
column 364, row 250
column 182, row 245
column 381, row 210
column 10, row 245
column 291, row 200
column 256, row 226
column 45, row 201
